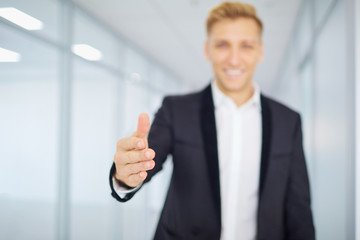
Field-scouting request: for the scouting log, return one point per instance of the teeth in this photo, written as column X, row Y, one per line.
column 234, row 72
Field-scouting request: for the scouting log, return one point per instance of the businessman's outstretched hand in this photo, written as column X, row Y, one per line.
column 133, row 157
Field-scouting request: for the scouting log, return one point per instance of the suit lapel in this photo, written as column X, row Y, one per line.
column 208, row 125
column 266, row 137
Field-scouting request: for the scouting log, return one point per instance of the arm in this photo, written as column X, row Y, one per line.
column 159, row 140
column 298, row 215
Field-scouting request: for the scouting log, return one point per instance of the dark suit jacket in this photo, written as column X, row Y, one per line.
column 185, row 127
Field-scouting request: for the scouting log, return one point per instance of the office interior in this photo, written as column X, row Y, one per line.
column 72, row 84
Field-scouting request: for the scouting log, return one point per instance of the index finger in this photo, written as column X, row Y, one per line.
column 131, row 143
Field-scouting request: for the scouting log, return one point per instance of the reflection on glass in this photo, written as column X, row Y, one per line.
column 9, row 56
column 87, row 52
column 20, row 18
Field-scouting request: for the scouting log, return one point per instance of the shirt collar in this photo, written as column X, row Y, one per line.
column 220, row 98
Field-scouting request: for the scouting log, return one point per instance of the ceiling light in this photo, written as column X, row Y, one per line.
column 8, row 56
column 20, row 18
column 87, row 52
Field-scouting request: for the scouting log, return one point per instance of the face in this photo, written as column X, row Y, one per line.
column 234, row 48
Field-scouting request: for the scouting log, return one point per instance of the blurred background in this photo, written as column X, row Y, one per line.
column 74, row 75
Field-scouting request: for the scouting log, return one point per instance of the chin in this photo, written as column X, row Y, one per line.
column 234, row 87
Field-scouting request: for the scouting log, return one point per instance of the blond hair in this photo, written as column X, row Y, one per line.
column 232, row 10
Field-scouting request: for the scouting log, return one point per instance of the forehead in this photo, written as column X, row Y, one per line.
column 244, row 28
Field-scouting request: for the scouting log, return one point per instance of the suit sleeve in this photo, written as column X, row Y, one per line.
column 160, row 139
column 299, row 220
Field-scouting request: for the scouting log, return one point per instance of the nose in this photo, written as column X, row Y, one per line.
column 235, row 57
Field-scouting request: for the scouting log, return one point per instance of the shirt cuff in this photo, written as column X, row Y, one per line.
column 121, row 191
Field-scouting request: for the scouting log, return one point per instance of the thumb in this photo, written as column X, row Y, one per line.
column 143, row 126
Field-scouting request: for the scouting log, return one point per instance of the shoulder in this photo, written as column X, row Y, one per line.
column 279, row 111
column 189, row 101
column 180, row 111
column 189, row 97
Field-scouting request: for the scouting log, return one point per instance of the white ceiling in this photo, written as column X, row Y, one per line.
column 173, row 32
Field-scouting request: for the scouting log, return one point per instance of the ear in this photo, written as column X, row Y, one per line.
column 261, row 52
column 206, row 50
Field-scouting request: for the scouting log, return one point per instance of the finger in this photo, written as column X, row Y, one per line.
column 135, row 179
column 131, row 143
column 133, row 168
column 143, row 126
column 138, row 156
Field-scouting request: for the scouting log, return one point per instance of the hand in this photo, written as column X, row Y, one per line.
column 133, row 157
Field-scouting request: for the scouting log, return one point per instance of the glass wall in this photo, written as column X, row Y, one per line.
column 29, row 109
column 318, row 81
column 107, row 91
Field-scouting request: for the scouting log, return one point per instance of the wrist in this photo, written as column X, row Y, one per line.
column 121, row 183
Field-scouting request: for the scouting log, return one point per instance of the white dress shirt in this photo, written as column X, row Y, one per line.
column 239, row 131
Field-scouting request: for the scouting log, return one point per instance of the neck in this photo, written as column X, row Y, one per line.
column 239, row 97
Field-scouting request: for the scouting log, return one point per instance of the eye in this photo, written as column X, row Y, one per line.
column 247, row 46
column 221, row 45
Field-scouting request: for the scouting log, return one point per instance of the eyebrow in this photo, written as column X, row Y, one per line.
column 242, row 41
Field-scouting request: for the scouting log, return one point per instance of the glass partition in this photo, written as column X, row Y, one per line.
column 29, row 106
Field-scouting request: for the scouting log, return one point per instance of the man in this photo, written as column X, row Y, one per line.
column 239, row 169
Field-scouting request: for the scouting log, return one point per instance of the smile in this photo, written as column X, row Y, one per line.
column 234, row 73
